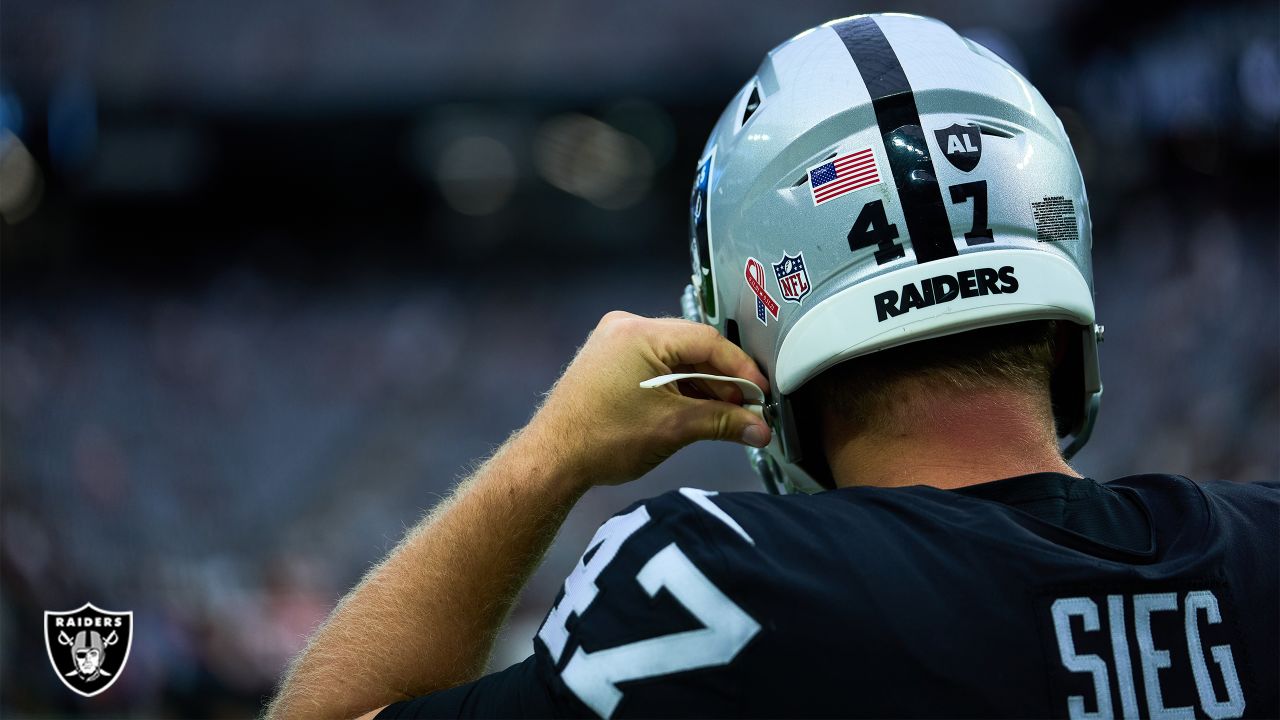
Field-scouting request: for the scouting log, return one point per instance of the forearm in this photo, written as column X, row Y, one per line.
column 426, row 618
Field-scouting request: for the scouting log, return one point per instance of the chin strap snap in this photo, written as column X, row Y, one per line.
column 752, row 395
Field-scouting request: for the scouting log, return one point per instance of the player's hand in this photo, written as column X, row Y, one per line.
column 606, row 430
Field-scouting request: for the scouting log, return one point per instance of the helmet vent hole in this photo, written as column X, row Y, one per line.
column 805, row 177
column 753, row 103
column 993, row 131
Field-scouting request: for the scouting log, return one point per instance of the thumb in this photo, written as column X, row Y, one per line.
column 718, row 420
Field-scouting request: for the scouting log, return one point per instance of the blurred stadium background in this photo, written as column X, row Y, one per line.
column 275, row 273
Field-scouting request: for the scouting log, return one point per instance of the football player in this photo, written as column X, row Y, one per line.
column 892, row 306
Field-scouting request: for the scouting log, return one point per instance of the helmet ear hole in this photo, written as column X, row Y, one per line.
column 731, row 332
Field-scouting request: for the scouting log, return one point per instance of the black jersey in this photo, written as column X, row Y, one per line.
column 1000, row 601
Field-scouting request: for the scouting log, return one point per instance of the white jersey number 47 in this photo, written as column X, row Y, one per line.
column 594, row 676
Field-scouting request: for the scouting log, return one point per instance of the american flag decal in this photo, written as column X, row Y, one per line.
column 844, row 174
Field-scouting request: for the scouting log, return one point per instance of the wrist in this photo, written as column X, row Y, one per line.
column 544, row 460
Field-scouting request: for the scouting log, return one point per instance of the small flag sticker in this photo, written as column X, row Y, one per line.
column 844, row 174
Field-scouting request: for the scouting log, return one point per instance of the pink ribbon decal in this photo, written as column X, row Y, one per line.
column 755, row 278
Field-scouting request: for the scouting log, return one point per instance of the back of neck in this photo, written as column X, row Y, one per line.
column 948, row 439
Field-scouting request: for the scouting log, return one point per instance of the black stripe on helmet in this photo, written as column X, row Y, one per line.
column 904, row 139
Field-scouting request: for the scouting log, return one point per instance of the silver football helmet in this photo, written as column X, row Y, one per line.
column 880, row 181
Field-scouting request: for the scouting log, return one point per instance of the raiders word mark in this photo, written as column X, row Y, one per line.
column 945, row 288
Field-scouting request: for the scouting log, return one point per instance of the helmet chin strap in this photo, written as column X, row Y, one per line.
column 752, row 395
column 1079, row 439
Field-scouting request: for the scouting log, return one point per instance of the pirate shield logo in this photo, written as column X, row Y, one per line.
column 88, row 647
column 961, row 144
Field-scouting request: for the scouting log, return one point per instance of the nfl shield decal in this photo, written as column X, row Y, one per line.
column 961, row 144
column 792, row 277
column 88, row 646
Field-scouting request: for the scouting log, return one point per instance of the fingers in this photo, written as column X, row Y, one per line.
column 725, row 391
column 681, row 342
column 694, row 389
column 717, row 420
column 677, row 344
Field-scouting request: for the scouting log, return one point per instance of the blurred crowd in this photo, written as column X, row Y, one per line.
column 225, row 391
